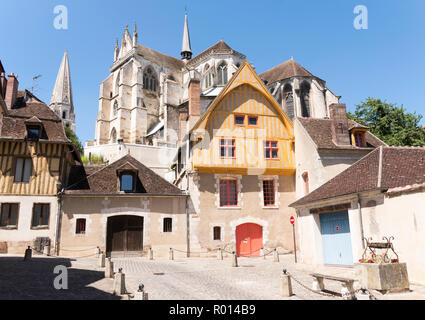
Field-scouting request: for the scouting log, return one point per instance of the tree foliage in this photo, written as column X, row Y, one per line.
column 390, row 123
column 74, row 139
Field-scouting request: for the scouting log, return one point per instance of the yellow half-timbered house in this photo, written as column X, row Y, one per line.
column 240, row 169
column 35, row 159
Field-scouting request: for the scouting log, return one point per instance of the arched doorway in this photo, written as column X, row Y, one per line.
column 124, row 234
column 249, row 240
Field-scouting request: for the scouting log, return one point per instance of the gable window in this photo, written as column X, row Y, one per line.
column 228, row 193
column 271, row 150
column 127, row 182
column 306, row 183
column 9, row 215
column 33, row 133
column 80, row 226
column 40, row 215
column 217, row 233
column 268, row 193
column 168, row 225
column 252, row 120
column 222, row 74
column 359, row 139
column 239, row 120
column 23, row 170
column 149, row 80
column 227, row 148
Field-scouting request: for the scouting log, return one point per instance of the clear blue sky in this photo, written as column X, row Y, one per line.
column 386, row 61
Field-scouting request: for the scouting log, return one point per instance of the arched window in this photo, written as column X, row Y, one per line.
column 208, row 77
column 115, row 109
column 149, row 80
column 222, row 74
column 305, row 99
column 288, row 100
column 113, row 136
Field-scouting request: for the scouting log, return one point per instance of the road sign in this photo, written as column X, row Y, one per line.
column 292, row 220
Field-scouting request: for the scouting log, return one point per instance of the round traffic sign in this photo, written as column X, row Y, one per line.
column 292, row 220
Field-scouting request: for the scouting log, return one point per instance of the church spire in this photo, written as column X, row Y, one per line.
column 61, row 101
column 186, row 52
column 135, row 35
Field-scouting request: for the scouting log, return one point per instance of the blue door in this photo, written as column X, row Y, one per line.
column 336, row 238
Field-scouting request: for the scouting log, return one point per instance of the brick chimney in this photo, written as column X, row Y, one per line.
column 194, row 101
column 3, row 83
column 11, row 90
column 339, row 126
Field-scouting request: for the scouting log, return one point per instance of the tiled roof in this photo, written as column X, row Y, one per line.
column 286, row 70
column 401, row 166
column 220, row 47
column 321, row 133
column 104, row 180
column 162, row 59
column 14, row 124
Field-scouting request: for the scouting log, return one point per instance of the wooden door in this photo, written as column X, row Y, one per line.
column 249, row 240
column 124, row 233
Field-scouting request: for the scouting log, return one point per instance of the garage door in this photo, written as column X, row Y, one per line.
column 336, row 238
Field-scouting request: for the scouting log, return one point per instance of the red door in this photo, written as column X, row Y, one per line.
column 249, row 240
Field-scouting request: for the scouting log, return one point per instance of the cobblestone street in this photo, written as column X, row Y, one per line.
column 181, row 279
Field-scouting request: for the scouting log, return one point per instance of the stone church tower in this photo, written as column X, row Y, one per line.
column 61, row 101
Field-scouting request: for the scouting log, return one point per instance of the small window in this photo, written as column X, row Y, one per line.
column 268, row 193
column 40, row 215
column 81, row 226
column 306, row 183
column 9, row 215
column 239, row 120
column 227, row 148
column 271, row 150
column 359, row 139
column 127, row 182
column 252, row 121
column 23, row 169
column 33, row 133
column 228, row 193
column 64, row 115
column 168, row 225
column 217, row 233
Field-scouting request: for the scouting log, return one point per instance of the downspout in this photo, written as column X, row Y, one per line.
column 359, row 206
column 58, row 223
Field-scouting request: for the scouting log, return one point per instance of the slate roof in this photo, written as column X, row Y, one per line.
column 220, row 47
column 162, row 59
column 86, row 180
column 321, row 133
column 286, row 70
column 401, row 166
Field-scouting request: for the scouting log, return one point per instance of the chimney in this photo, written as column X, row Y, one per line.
column 194, row 98
column 338, row 116
column 3, row 83
column 11, row 90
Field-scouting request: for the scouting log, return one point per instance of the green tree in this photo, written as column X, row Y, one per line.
column 74, row 139
column 390, row 123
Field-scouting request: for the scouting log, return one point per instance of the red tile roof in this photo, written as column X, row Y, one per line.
column 286, row 70
column 401, row 166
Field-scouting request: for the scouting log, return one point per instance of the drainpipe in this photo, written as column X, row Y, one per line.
column 187, row 218
column 359, row 206
column 58, row 220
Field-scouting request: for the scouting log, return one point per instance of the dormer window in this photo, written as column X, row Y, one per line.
column 127, row 181
column 33, row 133
column 358, row 138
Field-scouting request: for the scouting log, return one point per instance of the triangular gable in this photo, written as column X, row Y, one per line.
column 244, row 75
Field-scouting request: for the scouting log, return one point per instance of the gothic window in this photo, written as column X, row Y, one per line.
column 288, row 99
column 222, row 74
column 149, row 80
column 208, row 82
column 305, row 99
column 113, row 136
column 115, row 108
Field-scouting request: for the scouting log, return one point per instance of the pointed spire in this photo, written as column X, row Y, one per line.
column 62, row 92
column 135, row 36
column 116, row 50
column 186, row 52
